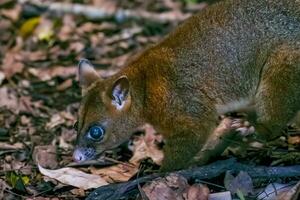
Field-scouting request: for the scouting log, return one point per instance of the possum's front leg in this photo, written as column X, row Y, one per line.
column 221, row 138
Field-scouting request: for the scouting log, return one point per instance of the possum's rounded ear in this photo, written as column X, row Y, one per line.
column 119, row 93
column 86, row 73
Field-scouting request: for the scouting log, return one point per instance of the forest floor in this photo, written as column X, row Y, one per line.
column 39, row 92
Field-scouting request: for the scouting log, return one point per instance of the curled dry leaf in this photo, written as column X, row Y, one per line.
column 74, row 177
column 117, row 173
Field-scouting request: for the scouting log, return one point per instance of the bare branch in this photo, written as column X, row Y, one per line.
column 116, row 191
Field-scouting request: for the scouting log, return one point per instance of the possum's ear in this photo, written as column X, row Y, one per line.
column 86, row 73
column 119, row 94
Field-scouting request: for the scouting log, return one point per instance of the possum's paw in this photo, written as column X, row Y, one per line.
column 242, row 126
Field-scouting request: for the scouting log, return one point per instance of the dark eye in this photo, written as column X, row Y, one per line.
column 96, row 133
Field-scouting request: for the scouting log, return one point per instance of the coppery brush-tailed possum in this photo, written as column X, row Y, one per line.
column 232, row 51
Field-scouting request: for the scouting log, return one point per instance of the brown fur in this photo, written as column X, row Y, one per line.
column 233, row 50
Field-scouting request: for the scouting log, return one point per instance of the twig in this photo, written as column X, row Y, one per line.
column 100, row 13
column 116, row 191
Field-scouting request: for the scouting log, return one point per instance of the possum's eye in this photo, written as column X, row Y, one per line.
column 96, row 132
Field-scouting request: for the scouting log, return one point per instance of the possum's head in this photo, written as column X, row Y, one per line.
column 105, row 119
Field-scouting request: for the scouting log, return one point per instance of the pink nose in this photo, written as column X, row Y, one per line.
column 78, row 156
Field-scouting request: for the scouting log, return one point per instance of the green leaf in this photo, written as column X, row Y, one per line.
column 28, row 26
column 20, row 185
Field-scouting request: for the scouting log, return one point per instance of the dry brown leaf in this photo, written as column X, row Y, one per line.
column 171, row 187
column 45, row 156
column 2, row 77
column 74, row 177
column 49, row 73
column 55, row 120
column 33, row 56
column 291, row 194
column 3, row 186
column 8, row 98
column 294, row 139
column 78, row 192
column 13, row 13
column 11, row 64
column 146, row 147
column 197, row 192
column 116, row 173
column 65, row 85
column 14, row 146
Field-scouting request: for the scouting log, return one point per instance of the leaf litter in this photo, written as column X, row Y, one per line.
column 39, row 99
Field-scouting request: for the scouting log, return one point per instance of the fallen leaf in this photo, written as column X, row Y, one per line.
column 25, row 120
column 291, row 194
column 28, row 26
column 220, row 196
column 65, row 85
column 146, row 146
column 143, row 147
column 241, row 184
column 3, row 186
column 116, row 173
column 55, row 120
column 2, row 77
column 45, row 156
column 171, row 187
column 11, row 64
column 56, row 71
column 197, row 192
column 74, row 177
column 44, row 30
column 272, row 190
column 67, row 29
column 32, row 56
column 8, row 98
column 294, row 139
column 78, row 192
column 13, row 14
column 14, row 146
